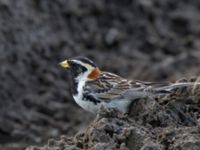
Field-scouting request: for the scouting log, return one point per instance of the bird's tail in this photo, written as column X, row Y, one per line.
column 168, row 89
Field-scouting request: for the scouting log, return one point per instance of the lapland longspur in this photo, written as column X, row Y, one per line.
column 93, row 88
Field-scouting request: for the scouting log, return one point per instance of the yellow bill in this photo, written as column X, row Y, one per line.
column 65, row 64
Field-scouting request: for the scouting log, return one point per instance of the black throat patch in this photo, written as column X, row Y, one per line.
column 74, row 86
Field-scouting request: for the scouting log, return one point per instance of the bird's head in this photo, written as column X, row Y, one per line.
column 81, row 68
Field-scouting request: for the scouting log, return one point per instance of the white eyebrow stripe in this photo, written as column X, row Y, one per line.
column 78, row 62
column 88, row 66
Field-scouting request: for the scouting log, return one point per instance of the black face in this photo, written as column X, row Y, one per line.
column 76, row 69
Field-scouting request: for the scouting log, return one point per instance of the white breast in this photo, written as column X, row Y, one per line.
column 90, row 106
column 87, row 105
column 122, row 105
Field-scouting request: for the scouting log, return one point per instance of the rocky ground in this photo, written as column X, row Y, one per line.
column 146, row 40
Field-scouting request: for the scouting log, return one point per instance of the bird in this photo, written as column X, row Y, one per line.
column 93, row 88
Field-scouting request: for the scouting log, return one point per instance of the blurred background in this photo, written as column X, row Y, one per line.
column 151, row 40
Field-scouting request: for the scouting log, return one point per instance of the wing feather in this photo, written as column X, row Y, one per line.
column 110, row 86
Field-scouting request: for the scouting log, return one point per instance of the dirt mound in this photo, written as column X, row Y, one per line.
column 110, row 130
column 147, row 40
column 173, row 125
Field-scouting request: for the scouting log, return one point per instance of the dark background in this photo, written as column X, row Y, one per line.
column 151, row 40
